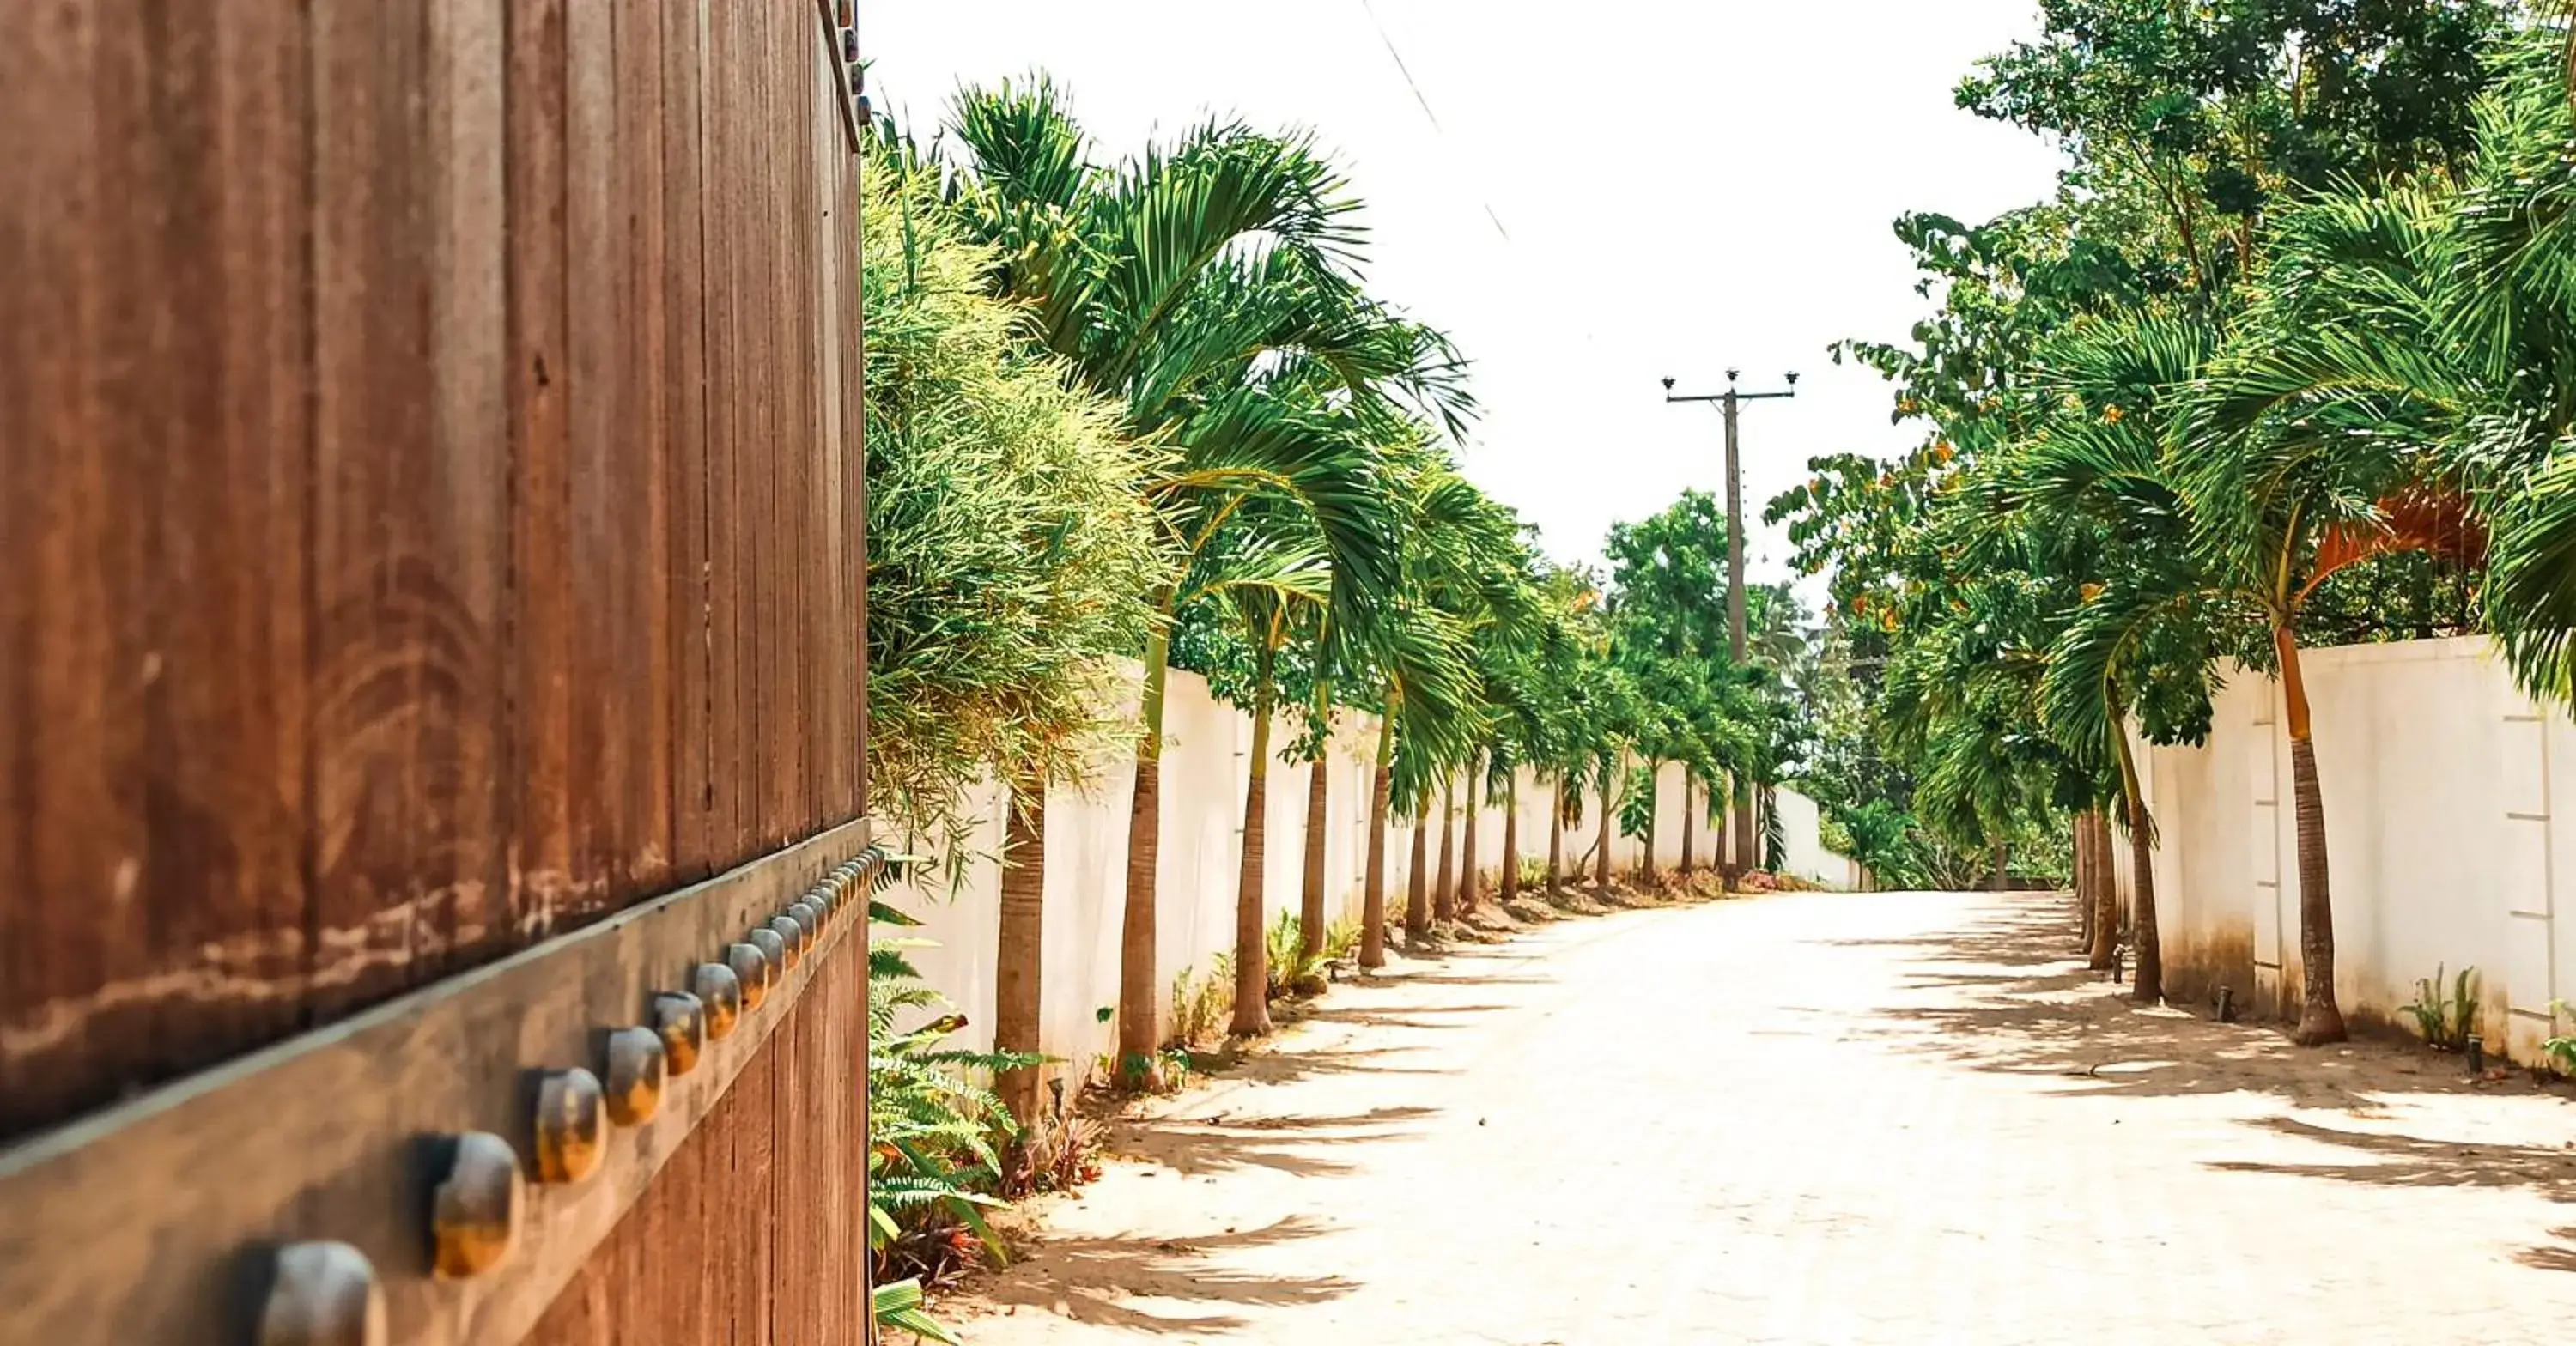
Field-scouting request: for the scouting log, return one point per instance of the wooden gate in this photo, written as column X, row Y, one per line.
column 431, row 672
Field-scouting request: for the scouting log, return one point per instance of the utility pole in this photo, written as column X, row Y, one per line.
column 1728, row 402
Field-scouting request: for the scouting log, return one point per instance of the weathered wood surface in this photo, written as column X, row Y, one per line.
column 430, row 500
column 138, row 1225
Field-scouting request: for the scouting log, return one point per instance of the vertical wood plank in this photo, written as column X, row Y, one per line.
column 730, row 756
column 79, row 831
column 382, row 697
column 220, row 187
column 469, row 530
column 540, row 634
column 691, row 632
column 593, row 271
column 645, row 640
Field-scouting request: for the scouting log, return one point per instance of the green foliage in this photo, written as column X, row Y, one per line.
column 2561, row 1049
column 898, row 1306
column 1292, row 971
column 2447, row 1016
column 932, row 1166
column 1009, row 555
column 1201, row 1004
column 2242, row 373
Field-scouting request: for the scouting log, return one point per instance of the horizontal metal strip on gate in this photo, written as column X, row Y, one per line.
column 162, row 1220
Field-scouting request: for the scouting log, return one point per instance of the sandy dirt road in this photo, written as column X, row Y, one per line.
column 1816, row 1118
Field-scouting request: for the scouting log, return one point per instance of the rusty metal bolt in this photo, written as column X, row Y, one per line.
column 681, row 1019
column 718, row 988
column 323, row 1294
column 572, row 1125
column 791, row 936
column 637, row 1068
column 808, row 914
column 754, row 970
column 474, row 1217
column 772, row 946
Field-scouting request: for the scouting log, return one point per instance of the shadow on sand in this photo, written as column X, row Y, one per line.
column 1100, row 1281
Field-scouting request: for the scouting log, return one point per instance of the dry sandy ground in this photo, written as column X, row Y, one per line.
column 1815, row 1118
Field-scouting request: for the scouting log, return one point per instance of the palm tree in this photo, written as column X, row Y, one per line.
column 2141, row 643
column 2303, row 462
column 1208, row 285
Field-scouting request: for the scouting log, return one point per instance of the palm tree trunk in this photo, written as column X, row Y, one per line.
column 1019, row 953
column 1646, row 869
column 1686, row 823
column 1745, row 854
column 1601, row 847
column 1444, row 902
column 2148, row 988
column 1140, row 1027
column 2003, row 857
column 1467, row 884
column 2320, row 1018
column 1556, row 838
column 1721, row 853
column 1373, row 893
column 2105, row 946
column 1417, row 881
column 1511, row 886
column 1310, row 904
column 1251, row 949
column 2082, row 833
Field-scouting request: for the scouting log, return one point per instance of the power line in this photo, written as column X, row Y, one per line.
column 1425, row 103
column 1401, row 68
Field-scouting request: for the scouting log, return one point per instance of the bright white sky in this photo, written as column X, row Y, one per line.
column 1686, row 186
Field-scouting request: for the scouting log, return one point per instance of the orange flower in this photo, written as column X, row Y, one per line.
column 2111, row 414
column 2091, row 592
column 1942, row 452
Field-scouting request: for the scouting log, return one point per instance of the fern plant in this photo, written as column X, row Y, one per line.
column 931, row 1127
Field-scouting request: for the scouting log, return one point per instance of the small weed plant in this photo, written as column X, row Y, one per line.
column 2446, row 1014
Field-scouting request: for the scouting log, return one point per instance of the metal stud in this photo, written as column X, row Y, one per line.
column 474, row 1217
column 753, row 970
column 791, row 936
column 323, row 1294
column 809, row 914
column 681, row 1019
column 772, row 946
column 719, row 988
column 572, row 1125
column 636, row 1069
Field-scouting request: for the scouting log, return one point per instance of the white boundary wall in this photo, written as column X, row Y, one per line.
column 1205, row 774
column 2444, row 845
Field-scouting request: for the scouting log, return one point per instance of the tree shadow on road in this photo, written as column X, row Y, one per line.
column 2417, row 1161
column 1195, row 1147
column 2004, row 995
column 1095, row 1280
column 1287, row 1067
column 2552, row 1256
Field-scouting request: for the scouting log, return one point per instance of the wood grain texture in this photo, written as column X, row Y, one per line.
column 431, row 446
